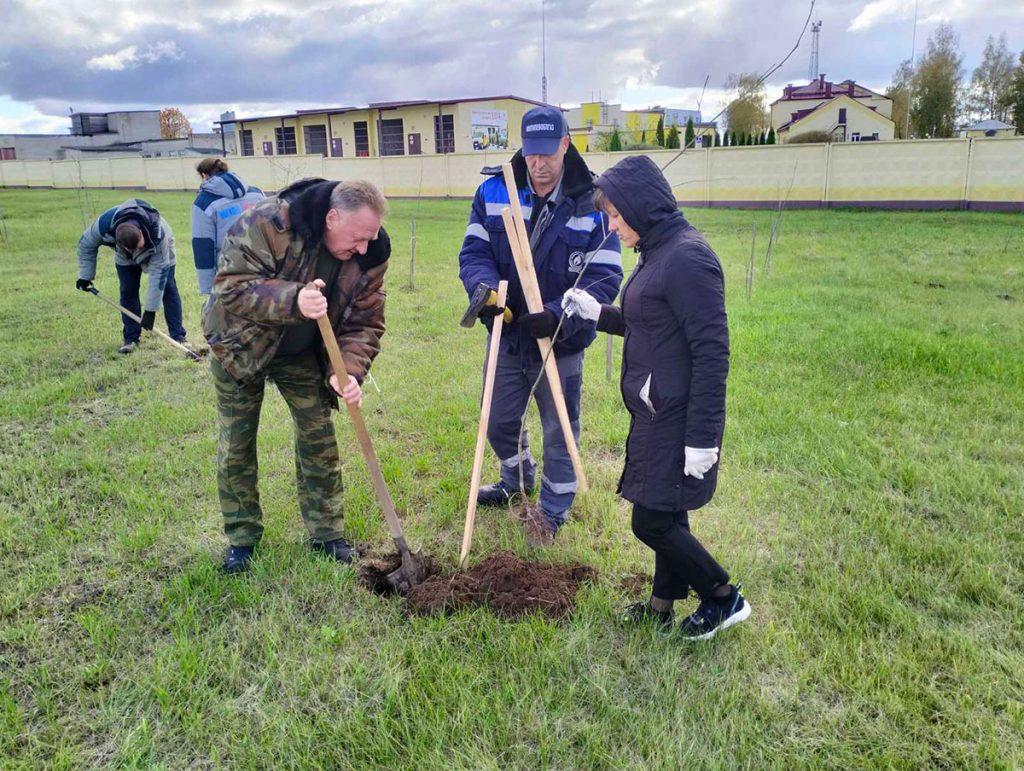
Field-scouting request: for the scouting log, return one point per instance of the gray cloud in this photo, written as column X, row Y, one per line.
column 187, row 52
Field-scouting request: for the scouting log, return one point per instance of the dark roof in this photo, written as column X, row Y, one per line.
column 386, row 106
column 824, row 89
column 332, row 110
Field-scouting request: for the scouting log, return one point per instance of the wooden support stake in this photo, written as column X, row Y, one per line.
column 515, row 226
column 608, row 358
column 481, row 432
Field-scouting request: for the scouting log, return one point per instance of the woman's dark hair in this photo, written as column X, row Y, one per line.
column 211, row 166
column 600, row 200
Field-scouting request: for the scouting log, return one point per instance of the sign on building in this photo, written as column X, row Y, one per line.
column 489, row 129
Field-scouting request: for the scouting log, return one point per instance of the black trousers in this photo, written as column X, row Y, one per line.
column 680, row 561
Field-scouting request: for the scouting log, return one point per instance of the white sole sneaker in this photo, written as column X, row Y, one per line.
column 740, row 615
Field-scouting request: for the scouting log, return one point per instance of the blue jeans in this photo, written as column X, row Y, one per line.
column 130, row 277
column 512, row 381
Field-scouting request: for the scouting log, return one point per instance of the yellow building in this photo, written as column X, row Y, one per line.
column 592, row 120
column 845, row 111
column 418, row 127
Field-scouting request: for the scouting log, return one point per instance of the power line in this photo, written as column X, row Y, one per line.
column 767, row 74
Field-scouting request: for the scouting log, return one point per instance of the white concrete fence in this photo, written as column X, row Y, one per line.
column 924, row 174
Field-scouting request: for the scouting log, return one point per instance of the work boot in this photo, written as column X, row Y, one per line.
column 237, row 559
column 127, row 348
column 643, row 613
column 339, row 548
column 498, row 494
column 714, row 614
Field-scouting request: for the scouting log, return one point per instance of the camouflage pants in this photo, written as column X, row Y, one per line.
column 317, row 467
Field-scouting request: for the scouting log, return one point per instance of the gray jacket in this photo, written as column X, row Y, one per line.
column 157, row 258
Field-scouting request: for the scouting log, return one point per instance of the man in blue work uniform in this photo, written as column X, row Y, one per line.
column 567, row 237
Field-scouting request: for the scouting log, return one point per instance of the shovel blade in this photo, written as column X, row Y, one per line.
column 412, row 571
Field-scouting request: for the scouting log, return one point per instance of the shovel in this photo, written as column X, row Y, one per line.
column 188, row 351
column 412, row 570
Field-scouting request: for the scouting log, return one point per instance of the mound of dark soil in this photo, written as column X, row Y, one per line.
column 507, row 585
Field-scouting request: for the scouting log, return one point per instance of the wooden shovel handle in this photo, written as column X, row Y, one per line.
column 365, row 444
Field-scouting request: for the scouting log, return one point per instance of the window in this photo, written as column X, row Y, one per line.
column 247, row 146
column 855, row 136
column 8, row 154
column 284, row 139
column 362, row 139
column 315, row 139
column 444, row 133
column 392, row 137
column 842, row 115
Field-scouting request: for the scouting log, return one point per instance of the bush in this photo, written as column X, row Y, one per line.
column 672, row 140
column 809, row 137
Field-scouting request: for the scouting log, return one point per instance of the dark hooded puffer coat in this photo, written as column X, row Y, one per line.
column 676, row 352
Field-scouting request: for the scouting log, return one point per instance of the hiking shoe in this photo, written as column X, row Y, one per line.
column 498, row 494
column 713, row 615
column 127, row 348
column 339, row 548
column 237, row 559
column 643, row 613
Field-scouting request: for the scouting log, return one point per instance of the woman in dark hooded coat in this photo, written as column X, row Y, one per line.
column 674, row 364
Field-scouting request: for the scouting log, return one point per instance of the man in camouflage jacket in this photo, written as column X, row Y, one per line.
column 317, row 248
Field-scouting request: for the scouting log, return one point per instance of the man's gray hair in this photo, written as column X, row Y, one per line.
column 354, row 195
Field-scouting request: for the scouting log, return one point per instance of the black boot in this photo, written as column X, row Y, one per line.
column 339, row 548
column 498, row 494
column 237, row 559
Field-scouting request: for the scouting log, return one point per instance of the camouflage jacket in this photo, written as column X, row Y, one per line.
column 264, row 263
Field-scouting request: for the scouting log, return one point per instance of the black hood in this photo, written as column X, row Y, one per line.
column 638, row 189
column 142, row 215
column 308, row 201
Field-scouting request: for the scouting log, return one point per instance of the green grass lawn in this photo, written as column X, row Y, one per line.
column 870, row 501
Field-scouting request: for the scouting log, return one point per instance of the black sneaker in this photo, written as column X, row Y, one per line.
column 498, row 494
column 127, row 348
column 237, row 559
column 643, row 613
column 713, row 615
column 339, row 548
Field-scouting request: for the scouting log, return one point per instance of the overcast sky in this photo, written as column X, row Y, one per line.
column 255, row 56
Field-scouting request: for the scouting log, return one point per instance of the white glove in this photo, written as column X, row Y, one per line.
column 699, row 462
column 576, row 302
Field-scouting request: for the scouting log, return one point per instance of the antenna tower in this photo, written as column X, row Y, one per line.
column 815, row 68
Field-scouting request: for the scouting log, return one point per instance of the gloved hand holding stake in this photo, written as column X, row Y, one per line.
column 699, row 461
column 148, row 319
column 492, row 308
column 84, row 284
column 576, row 302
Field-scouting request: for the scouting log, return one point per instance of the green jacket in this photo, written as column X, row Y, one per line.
column 264, row 262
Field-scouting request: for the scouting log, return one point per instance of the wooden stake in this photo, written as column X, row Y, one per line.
column 481, row 432
column 608, row 359
column 412, row 253
column 515, row 226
